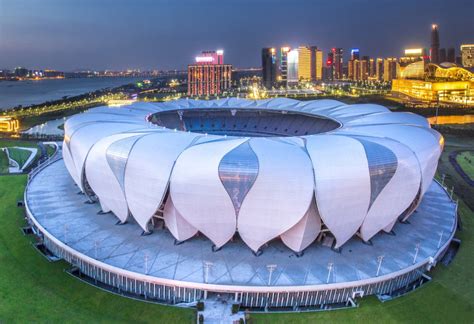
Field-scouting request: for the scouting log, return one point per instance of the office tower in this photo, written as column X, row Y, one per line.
column 451, row 55
column 467, row 55
column 329, row 70
column 306, row 63
column 319, row 65
column 355, row 52
column 390, row 69
column 209, row 75
column 379, row 69
column 284, row 64
column 21, row 72
column 413, row 55
column 310, row 63
column 350, row 69
column 364, row 68
column 442, row 55
column 337, row 63
column 357, row 70
column 434, row 50
column 269, row 67
column 292, row 59
column 372, row 68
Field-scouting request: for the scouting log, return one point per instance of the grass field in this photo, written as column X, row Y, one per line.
column 10, row 143
column 3, row 162
column 466, row 161
column 35, row 290
column 19, row 155
column 50, row 149
column 449, row 298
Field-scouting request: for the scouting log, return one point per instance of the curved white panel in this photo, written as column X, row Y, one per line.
column 424, row 142
column 198, row 193
column 149, row 169
column 342, row 183
column 389, row 118
column 397, row 194
column 69, row 163
column 85, row 137
column 281, row 194
column 102, row 179
column 300, row 236
column 176, row 224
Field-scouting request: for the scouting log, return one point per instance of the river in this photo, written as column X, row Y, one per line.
column 25, row 93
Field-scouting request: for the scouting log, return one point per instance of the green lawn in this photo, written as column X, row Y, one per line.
column 19, row 155
column 50, row 149
column 35, row 290
column 466, row 161
column 3, row 162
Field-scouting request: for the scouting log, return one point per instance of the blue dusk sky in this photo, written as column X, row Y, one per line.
column 167, row 34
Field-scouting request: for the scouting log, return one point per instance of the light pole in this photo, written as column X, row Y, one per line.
column 440, row 238
column 146, row 263
column 417, row 249
column 270, row 268
column 379, row 260
column 207, row 266
column 330, row 267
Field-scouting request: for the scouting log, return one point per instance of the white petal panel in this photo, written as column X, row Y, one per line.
column 198, row 193
column 281, row 194
column 149, row 169
column 176, row 224
column 397, row 194
column 102, row 179
column 300, row 236
column 342, row 183
column 85, row 137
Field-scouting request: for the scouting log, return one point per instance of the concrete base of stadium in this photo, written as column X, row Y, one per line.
column 155, row 268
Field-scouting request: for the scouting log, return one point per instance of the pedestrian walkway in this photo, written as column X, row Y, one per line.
column 218, row 309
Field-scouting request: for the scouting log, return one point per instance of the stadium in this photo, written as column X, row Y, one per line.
column 278, row 203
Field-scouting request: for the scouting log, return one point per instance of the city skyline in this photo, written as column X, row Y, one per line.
column 111, row 35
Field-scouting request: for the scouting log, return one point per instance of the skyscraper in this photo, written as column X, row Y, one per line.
column 310, row 63
column 269, row 67
column 292, row 58
column 209, row 75
column 329, row 70
column 451, row 56
column 467, row 55
column 306, row 63
column 364, row 68
column 284, row 64
column 338, row 63
column 379, row 69
column 390, row 69
column 319, row 65
column 434, row 50
column 355, row 52
column 442, row 55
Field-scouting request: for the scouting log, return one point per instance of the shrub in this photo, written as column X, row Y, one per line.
column 200, row 306
column 235, row 308
column 201, row 319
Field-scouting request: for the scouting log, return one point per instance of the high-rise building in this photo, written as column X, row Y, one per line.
column 372, row 68
column 293, row 76
column 451, row 56
column 413, row 55
column 306, row 63
column 355, row 54
column 209, row 75
column 329, row 70
column 390, row 69
column 442, row 55
column 283, row 67
column 319, row 65
column 364, row 68
column 338, row 63
column 379, row 69
column 467, row 55
column 269, row 67
column 434, row 50
column 310, row 63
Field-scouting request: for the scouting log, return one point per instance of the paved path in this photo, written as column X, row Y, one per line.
column 219, row 310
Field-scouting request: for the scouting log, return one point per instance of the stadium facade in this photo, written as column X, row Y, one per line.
column 228, row 177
